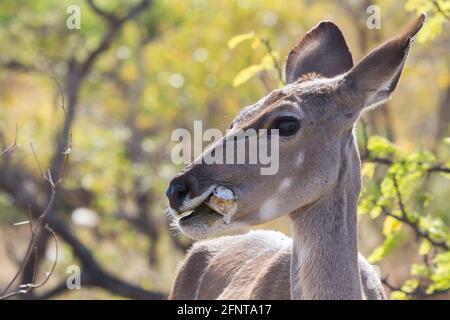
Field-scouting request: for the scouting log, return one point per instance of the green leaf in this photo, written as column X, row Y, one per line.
column 381, row 147
column 399, row 295
column 425, row 199
column 387, row 190
column 410, row 285
column 246, row 74
column 388, row 245
column 375, row 212
column 368, row 169
column 419, row 270
column 233, row 42
column 441, row 275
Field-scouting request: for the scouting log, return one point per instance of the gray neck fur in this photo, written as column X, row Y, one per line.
column 324, row 261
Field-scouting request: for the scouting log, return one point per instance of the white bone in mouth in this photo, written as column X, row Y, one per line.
column 223, row 202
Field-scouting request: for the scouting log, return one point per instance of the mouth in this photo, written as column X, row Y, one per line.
column 219, row 205
column 201, row 215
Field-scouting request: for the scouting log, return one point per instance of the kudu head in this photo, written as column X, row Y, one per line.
column 315, row 113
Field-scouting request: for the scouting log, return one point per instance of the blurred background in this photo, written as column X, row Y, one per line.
column 136, row 70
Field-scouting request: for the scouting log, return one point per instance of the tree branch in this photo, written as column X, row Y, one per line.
column 413, row 224
column 13, row 146
column 418, row 292
column 110, row 18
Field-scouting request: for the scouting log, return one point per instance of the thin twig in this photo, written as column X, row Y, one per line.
column 26, row 288
column 41, row 221
column 36, row 232
column 10, row 149
column 412, row 224
column 276, row 64
column 368, row 157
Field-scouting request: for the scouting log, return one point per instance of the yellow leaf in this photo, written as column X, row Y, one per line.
column 424, row 247
column 233, row 42
column 431, row 29
column 410, row 285
column 245, row 74
column 398, row 295
column 256, row 43
column 391, row 225
column 375, row 212
column 268, row 60
column 368, row 170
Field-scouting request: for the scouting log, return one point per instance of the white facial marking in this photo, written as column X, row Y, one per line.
column 172, row 212
column 285, row 184
column 300, row 159
column 268, row 209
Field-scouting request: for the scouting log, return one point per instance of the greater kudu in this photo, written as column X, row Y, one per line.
column 317, row 185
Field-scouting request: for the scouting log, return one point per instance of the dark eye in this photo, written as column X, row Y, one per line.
column 287, row 126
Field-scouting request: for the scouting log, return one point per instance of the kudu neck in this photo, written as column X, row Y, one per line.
column 324, row 261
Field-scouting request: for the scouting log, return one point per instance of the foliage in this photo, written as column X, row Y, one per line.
column 439, row 12
column 398, row 198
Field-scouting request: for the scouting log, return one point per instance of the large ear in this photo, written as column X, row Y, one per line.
column 322, row 50
column 377, row 75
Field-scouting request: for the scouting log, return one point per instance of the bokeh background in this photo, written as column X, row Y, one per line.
column 137, row 70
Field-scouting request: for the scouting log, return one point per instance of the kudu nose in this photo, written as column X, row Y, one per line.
column 178, row 190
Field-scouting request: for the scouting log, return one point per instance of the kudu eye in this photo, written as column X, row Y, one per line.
column 287, row 126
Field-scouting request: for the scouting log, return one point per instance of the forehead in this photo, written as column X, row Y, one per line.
column 310, row 96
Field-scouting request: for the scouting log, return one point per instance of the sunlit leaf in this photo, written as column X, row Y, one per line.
column 375, row 212
column 425, row 247
column 419, row 270
column 388, row 245
column 431, row 29
column 233, row 42
column 268, row 60
column 368, row 169
column 399, row 295
column 380, row 146
column 246, row 74
column 391, row 225
column 410, row 285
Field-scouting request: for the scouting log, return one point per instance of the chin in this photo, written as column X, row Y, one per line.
column 202, row 223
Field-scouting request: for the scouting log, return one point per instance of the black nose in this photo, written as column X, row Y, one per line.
column 178, row 190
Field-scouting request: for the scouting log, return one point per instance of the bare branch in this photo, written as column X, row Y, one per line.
column 93, row 274
column 25, row 288
column 41, row 224
column 116, row 24
column 10, row 149
column 32, row 244
column 110, row 18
